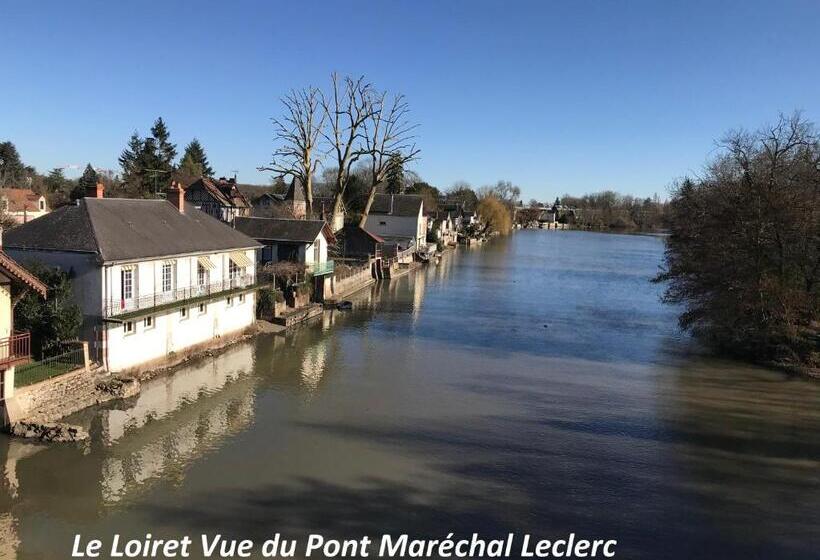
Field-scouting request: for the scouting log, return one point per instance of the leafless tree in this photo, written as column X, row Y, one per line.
column 388, row 136
column 296, row 135
column 347, row 107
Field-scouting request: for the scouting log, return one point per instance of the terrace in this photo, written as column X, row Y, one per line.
column 178, row 297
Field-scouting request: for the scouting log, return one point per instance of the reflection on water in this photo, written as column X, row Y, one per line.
column 533, row 384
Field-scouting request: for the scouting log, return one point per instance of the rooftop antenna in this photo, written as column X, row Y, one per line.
column 234, row 171
column 156, row 173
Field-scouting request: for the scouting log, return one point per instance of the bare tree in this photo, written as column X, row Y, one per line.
column 388, row 136
column 296, row 135
column 347, row 107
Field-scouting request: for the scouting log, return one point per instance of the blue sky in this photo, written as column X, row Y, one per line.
column 556, row 97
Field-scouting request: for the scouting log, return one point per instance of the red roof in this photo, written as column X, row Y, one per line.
column 20, row 200
column 10, row 268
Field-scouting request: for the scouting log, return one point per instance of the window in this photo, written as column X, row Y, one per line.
column 127, row 283
column 317, row 252
column 167, row 277
column 241, row 298
column 202, row 309
column 230, row 301
column 42, row 204
column 183, row 313
column 128, row 327
column 382, row 223
column 201, row 274
column 233, row 270
column 148, row 322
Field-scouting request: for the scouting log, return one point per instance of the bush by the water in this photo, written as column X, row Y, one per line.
column 743, row 257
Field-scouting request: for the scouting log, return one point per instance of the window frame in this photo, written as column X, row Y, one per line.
column 170, row 267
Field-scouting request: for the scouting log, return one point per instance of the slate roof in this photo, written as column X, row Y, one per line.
column 122, row 229
column 296, row 191
column 396, row 205
column 281, row 229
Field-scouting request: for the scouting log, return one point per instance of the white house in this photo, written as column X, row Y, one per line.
column 443, row 225
column 22, row 205
column 398, row 218
column 152, row 277
column 300, row 241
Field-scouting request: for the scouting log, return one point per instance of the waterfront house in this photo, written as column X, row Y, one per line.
column 218, row 198
column 288, row 239
column 153, row 277
column 15, row 347
column 398, row 219
column 300, row 241
column 442, row 225
column 22, row 205
column 354, row 242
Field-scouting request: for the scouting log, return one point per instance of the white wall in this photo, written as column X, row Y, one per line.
column 398, row 226
column 173, row 333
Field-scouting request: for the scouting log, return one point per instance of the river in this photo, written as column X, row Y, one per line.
column 535, row 384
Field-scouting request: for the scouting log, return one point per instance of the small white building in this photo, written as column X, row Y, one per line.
column 152, row 277
column 398, row 218
column 22, row 205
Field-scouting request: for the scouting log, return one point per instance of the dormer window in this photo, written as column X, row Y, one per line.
column 42, row 205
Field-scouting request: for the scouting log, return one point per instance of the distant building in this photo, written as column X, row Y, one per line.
column 152, row 277
column 398, row 218
column 293, row 204
column 23, row 205
column 220, row 199
column 443, row 226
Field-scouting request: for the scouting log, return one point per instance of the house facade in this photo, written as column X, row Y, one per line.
column 301, row 241
column 218, row 198
column 22, row 205
column 443, row 226
column 15, row 347
column 399, row 219
column 153, row 278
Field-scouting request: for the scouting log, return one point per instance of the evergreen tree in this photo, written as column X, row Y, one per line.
column 395, row 175
column 12, row 169
column 196, row 153
column 88, row 179
column 166, row 151
column 190, row 169
column 130, row 160
column 55, row 181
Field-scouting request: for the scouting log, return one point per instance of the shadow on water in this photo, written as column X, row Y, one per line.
column 441, row 403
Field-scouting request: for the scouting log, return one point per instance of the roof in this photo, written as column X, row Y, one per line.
column 21, row 199
column 352, row 229
column 223, row 191
column 396, row 205
column 10, row 268
column 282, row 229
column 123, row 229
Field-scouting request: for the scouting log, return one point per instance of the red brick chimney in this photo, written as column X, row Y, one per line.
column 96, row 191
column 176, row 196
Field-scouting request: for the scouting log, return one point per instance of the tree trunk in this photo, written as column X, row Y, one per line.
column 367, row 205
column 309, row 197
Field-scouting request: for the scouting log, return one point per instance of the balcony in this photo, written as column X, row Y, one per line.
column 15, row 349
column 321, row 269
column 177, row 297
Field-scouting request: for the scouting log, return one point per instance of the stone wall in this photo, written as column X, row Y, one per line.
column 56, row 397
column 350, row 284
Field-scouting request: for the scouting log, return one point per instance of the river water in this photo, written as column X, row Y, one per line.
column 532, row 385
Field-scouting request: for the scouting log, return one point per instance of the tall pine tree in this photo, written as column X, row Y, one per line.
column 88, row 179
column 195, row 156
column 395, row 175
column 166, row 151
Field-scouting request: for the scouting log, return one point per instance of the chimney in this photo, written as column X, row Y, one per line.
column 96, row 191
column 176, row 196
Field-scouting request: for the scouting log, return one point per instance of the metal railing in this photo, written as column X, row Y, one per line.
column 321, row 269
column 15, row 349
column 122, row 306
column 35, row 372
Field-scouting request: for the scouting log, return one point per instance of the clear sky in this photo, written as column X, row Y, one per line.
column 572, row 96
